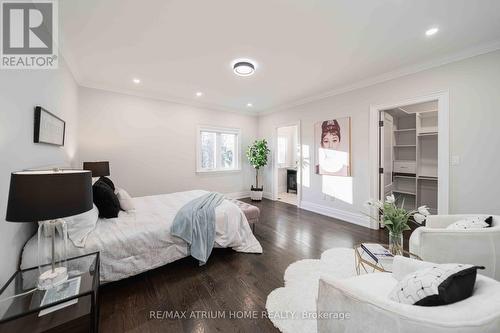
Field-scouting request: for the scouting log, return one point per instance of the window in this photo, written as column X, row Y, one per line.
column 218, row 149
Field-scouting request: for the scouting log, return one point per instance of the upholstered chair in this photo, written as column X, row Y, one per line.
column 437, row 244
column 362, row 304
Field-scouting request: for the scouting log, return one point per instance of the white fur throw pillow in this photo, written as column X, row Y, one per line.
column 126, row 202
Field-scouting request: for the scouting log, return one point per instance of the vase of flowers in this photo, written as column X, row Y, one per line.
column 396, row 242
column 396, row 220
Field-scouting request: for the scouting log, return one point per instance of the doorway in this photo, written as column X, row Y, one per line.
column 287, row 164
column 411, row 156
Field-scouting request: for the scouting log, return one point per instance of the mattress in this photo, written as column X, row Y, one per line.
column 140, row 240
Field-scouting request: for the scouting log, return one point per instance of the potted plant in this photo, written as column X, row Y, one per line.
column 396, row 219
column 257, row 156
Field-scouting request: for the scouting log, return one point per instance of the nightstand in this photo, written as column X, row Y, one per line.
column 21, row 303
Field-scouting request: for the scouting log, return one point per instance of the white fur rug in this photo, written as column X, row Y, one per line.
column 288, row 307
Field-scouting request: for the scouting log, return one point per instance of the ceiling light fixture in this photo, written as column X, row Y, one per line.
column 249, row 105
column 199, row 94
column 431, row 31
column 136, row 81
column 244, row 67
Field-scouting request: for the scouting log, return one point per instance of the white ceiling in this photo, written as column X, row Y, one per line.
column 303, row 48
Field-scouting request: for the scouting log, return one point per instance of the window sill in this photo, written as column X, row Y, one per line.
column 217, row 171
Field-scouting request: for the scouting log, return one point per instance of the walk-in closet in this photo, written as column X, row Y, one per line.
column 409, row 154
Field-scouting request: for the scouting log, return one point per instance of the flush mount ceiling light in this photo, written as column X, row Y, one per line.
column 199, row 94
column 136, row 81
column 244, row 67
column 431, row 31
column 249, row 105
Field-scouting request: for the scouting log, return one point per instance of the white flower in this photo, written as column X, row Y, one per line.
column 390, row 199
column 419, row 218
column 424, row 210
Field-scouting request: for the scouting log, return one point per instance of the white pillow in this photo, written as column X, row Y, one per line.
column 477, row 222
column 435, row 285
column 402, row 266
column 80, row 226
column 126, row 202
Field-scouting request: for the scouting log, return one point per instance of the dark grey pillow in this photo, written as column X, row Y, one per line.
column 108, row 181
column 437, row 285
column 489, row 220
column 106, row 200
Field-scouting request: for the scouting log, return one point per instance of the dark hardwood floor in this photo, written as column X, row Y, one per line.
column 230, row 283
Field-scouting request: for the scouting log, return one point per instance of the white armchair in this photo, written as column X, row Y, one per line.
column 437, row 244
column 366, row 299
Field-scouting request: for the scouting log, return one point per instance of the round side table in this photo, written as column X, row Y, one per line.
column 366, row 264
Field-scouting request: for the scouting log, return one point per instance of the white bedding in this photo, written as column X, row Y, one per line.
column 140, row 240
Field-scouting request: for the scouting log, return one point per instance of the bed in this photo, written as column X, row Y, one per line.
column 140, row 240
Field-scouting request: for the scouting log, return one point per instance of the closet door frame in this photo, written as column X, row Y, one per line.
column 443, row 146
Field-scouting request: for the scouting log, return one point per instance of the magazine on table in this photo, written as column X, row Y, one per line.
column 65, row 290
column 377, row 252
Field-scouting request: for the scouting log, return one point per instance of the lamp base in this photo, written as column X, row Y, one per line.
column 50, row 279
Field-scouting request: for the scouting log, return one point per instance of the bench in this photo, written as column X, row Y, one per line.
column 251, row 212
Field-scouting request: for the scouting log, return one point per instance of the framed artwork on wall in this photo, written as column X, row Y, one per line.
column 49, row 129
column 333, row 147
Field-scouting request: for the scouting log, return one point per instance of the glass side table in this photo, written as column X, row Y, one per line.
column 25, row 308
column 366, row 264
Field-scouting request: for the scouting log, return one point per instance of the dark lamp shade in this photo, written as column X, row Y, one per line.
column 98, row 169
column 47, row 195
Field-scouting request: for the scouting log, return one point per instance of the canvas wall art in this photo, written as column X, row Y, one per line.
column 49, row 129
column 333, row 147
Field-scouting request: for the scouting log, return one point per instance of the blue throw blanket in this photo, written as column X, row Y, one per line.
column 195, row 224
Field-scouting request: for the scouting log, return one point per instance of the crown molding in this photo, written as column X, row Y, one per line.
column 413, row 69
column 162, row 97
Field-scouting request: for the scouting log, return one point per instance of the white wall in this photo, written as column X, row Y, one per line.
column 151, row 144
column 20, row 92
column 474, row 86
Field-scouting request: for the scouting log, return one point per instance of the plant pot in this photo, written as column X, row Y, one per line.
column 256, row 193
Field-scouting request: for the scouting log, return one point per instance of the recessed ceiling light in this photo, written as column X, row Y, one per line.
column 199, row 94
column 244, row 67
column 249, row 105
column 431, row 31
column 136, row 81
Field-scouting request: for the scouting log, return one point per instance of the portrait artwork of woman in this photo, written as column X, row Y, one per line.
column 333, row 147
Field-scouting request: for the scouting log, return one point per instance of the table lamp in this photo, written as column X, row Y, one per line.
column 47, row 197
column 98, row 169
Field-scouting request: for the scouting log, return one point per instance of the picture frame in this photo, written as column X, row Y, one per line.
column 49, row 129
column 333, row 147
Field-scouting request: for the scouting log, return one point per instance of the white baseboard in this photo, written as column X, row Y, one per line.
column 246, row 194
column 336, row 213
column 238, row 195
column 267, row 195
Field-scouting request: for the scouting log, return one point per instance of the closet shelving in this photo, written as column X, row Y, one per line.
column 427, row 157
column 405, row 147
column 415, row 159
